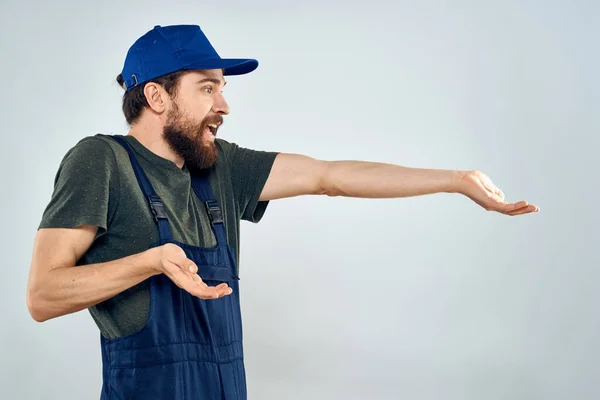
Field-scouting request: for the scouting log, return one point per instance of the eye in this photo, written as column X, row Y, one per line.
column 208, row 89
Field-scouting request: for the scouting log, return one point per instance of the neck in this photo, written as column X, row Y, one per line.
column 150, row 136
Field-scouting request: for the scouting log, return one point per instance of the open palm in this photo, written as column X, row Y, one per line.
column 480, row 188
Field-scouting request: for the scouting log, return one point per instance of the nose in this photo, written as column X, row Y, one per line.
column 220, row 106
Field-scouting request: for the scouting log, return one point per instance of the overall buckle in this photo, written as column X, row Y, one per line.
column 157, row 207
column 214, row 212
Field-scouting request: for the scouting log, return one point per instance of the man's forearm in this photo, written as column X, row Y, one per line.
column 380, row 180
column 66, row 290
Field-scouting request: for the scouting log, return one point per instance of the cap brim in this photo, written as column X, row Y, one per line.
column 230, row 66
column 240, row 66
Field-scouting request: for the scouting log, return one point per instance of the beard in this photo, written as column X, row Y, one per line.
column 186, row 138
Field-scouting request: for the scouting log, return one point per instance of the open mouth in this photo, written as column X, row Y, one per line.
column 213, row 129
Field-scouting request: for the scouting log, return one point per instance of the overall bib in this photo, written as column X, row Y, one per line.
column 190, row 349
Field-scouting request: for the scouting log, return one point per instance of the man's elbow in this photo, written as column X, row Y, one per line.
column 35, row 307
column 328, row 183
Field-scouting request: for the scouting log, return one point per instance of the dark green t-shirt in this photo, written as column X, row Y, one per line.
column 95, row 184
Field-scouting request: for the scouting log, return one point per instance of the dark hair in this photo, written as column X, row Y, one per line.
column 134, row 101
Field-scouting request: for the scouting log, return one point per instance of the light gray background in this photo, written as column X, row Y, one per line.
column 421, row 298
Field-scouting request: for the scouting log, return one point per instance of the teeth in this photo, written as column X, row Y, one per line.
column 212, row 128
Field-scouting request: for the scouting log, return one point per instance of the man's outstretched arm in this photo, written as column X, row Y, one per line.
column 295, row 175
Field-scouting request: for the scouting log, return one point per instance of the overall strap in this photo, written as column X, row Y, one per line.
column 157, row 207
column 202, row 188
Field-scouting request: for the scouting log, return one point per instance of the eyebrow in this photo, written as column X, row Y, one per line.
column 213, row 80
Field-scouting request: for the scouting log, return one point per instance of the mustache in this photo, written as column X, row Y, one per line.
column 216, row 119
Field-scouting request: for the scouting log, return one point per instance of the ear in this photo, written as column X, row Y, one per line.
column 155, row 96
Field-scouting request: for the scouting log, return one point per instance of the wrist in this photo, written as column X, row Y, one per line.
column 457, row 181
column 152, row 259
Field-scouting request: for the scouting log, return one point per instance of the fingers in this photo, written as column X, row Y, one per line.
column 190, row 266
column 211, row 292
column 192, row 283
column 523, row 210
column 215, row 292
column 518, row 208
column 180, row 259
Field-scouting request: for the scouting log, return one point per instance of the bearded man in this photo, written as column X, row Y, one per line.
column 143, row 229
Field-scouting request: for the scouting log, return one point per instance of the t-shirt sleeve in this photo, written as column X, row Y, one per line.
column 85, row 187
column 249, row 170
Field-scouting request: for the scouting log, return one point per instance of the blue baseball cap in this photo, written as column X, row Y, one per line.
column 166, row 49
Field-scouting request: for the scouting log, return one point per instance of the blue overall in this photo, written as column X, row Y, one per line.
column 190, row 348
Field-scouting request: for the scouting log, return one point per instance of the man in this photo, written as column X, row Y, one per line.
column 143, row 229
